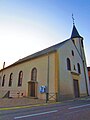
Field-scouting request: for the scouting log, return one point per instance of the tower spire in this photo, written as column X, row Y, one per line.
column 75, row 33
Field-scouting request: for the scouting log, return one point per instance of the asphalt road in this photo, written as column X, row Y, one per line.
column 74, row 110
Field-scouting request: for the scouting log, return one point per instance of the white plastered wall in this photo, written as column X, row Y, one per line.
column 65, row 76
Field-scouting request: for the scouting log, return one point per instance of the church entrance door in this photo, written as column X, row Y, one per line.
column 76, row 88
column 32, row 90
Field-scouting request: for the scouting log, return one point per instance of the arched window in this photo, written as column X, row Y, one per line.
column 20, row 77
column 74, row 67
column 78, row 66
column 3, row 82
column 10, row 79
column 68, row 64
column 34, row 74
column 72, row 53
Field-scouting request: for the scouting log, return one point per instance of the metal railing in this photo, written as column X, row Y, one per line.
column 51, row 96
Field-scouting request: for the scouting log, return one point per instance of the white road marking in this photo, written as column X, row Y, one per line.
column 42, row 113
column 79, row 106
column 77, row 111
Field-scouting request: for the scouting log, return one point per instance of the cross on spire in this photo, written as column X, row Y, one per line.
column 73, row 19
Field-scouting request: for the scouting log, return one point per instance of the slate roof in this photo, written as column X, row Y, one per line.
column 42, row 52
column 38, row 54
column 75, row 33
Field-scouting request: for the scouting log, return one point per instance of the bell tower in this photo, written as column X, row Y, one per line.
column 77, row 40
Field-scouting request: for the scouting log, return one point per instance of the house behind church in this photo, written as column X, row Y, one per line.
column 89, row 76
column 59, row 70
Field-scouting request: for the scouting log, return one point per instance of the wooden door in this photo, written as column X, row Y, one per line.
column 32, row 91
column 76, row 88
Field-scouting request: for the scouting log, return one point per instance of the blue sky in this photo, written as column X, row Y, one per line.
column 28, row 26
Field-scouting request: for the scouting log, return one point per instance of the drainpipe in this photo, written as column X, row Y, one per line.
column 47, row 91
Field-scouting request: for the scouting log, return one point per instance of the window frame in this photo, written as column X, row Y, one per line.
column 34, row 74
column 79, row 68
column 3, row 81
column 68, row 64
column 20, row 78
column 72, row 53
column 10, row 80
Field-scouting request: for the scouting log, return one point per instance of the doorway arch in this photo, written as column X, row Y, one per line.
column 32, row 84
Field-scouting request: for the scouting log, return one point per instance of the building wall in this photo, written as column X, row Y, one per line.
column 65, row 76
column 41, row 64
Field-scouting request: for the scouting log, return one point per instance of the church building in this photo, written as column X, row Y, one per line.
column 59, row 70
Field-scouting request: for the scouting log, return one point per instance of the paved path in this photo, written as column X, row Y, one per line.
column 12, row 102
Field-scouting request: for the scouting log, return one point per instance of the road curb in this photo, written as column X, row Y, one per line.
column 27, row 106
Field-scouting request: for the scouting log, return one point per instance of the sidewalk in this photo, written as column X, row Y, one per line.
column 14, row 102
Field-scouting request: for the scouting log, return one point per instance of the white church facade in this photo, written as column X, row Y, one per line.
column 60, row 70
